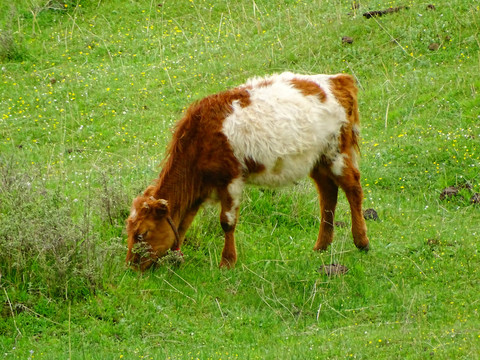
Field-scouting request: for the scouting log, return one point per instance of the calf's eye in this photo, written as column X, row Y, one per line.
column 141, row 237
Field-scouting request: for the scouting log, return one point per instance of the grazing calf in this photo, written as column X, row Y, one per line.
column 269, row 131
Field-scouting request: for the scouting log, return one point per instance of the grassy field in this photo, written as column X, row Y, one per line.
column 89, row 91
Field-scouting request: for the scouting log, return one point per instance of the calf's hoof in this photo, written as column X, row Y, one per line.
column 321, row 246
column 227, row 263
column 364, row 247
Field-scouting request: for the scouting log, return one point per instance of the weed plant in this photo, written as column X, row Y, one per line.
column 89, row 92
column 48, row 247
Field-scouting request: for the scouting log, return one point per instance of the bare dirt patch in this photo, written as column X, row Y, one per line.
column 333, row 269
column 370, row 214
column 377, row 13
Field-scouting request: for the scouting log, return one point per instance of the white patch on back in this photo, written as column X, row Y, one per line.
column 283, row 129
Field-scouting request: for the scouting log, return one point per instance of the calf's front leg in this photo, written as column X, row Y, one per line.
column 230, row 201
column 229, row 253
column 185, row 223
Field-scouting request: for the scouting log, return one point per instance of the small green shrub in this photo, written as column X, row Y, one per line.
column 11, row 45
column 45, row 247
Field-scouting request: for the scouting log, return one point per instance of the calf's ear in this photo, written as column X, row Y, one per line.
column 156, row 207
column 160, row 206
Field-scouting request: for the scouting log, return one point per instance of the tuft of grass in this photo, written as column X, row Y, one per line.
column 12, row 48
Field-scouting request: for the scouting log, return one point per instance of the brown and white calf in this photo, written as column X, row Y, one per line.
column 270, row 131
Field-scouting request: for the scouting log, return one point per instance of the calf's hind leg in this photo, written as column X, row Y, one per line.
column 349, row 181
column 327, row 193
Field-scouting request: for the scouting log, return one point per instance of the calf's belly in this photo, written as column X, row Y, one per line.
column 284, row 171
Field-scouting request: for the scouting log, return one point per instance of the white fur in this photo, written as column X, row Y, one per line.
column 133, row 213
column 285, row 130
column 338, row 164
column 235, row 189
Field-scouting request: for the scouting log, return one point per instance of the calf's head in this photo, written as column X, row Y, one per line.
column 150, row 232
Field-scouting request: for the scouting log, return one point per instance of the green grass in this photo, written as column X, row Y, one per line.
column 89, row 91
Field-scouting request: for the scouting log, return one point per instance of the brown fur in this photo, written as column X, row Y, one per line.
column 344, row 89
column 193, row 152
column 309, row 88
column 253, row 167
